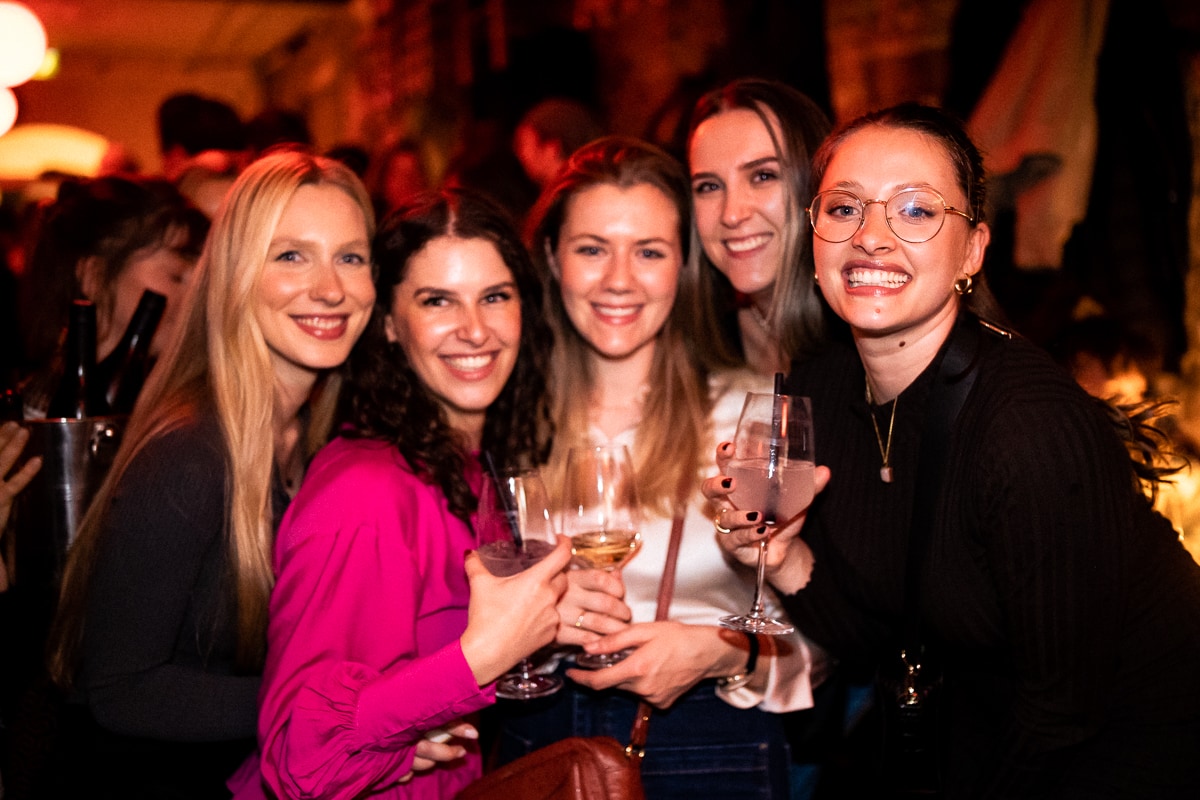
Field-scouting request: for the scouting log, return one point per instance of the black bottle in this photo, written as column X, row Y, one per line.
column 79, row 395
column 124, row 371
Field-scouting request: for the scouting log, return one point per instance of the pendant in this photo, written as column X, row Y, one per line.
column 885, row 474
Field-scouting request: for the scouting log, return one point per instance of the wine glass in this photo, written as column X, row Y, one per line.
column 772, row 468
column 514, row 533
column 601, row 514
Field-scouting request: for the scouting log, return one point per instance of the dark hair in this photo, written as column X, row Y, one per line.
column 796, row 313
column 385, row 398
column 198, row 123
column 109, row 218
column 568, row 122
column 936, row 123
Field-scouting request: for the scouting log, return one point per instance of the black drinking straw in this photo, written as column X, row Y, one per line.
column 510, row 513
column 773, row 476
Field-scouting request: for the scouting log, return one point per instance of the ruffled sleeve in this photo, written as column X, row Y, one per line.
column 364, row 656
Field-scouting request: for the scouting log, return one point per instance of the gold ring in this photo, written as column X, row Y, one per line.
column 717, row 523
column 579, row 622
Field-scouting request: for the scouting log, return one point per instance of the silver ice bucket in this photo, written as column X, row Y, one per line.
column 76, row 455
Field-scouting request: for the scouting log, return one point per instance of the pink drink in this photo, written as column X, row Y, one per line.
column 750, row 487
column 504, row 558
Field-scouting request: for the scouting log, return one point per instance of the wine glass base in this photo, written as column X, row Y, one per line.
column 518, row 687
column 752, row 624
column 601, row 660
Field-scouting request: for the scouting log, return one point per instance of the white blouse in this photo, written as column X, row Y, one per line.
column 707, row 584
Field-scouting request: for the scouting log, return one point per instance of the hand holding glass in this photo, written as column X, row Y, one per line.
column 514, row 533
column 772, row 468
column 601, row 514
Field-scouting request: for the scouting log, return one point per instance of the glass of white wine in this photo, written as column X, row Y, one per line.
column 601, row 515
column 772, row 468
column 514, row 532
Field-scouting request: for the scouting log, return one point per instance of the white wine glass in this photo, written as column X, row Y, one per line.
column 772, row 469
column 514, row 532
column 602, row 516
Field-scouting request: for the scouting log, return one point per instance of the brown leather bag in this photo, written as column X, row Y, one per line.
column 585, row 767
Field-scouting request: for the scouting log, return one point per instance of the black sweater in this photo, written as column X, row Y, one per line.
column 1065, row 610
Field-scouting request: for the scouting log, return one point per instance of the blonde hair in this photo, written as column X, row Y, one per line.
column 218, row 359
column 673, row 430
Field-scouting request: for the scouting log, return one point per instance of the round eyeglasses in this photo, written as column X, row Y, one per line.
column 914, row 215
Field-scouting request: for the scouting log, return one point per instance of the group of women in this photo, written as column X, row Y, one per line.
column 216, row 604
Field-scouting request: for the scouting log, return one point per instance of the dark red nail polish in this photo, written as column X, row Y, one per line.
column 750, row 517
column 725, row 484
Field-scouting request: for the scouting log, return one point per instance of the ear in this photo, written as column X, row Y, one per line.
column 552, row 261
column 87, row 275
column 389, row 329
column 976, row 247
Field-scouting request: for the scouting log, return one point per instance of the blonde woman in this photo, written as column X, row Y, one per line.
column 637, row 363
column 161, row 629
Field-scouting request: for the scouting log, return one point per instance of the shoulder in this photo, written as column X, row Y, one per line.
column 193, row 451
column 359, row 467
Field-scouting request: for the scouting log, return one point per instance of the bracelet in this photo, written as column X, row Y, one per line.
column 732, row 682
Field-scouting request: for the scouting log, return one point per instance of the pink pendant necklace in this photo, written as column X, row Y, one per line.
column 885, row 450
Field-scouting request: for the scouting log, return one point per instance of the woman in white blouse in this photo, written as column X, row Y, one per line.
column 638, row 362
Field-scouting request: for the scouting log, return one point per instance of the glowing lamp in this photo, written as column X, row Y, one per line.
column 22, row 43
column 8, row 109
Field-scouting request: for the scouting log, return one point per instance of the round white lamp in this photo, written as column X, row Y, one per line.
column 22, row 43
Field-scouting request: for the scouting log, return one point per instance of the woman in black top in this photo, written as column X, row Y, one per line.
column 1061, row 612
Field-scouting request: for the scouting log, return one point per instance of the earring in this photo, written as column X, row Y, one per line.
column 816, row 277
column 964, row 286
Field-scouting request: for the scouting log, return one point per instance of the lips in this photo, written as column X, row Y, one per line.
column 323, row 326
column 474, row 365
column 617, row 315
column 860, row 278
column 747, row 244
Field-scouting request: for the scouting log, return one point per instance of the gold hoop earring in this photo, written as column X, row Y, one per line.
column 964, row 286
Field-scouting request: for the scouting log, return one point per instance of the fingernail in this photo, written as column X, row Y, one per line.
column 725, row 484
column 761, row 529
column 751, row 516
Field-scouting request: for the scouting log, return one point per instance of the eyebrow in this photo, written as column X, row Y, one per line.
column 598, row 238
column 298, row 243
column 495, row 287
column 749, row 165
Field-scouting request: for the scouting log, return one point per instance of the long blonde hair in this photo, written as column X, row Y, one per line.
column 670, row 439
column 218, row 360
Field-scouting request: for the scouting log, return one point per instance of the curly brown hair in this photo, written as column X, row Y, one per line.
column 385, row 399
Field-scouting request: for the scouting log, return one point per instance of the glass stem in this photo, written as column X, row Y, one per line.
column 756, row 611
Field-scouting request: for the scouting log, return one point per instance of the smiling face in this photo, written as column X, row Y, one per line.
column 883, row 286
column 618, row 260
column 457, row 315
column 739, row 198
column 315, row 293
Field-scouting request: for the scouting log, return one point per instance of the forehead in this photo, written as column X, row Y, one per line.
column 881, row 159
column 734, row 132
column 451, row 261
column 642, row 206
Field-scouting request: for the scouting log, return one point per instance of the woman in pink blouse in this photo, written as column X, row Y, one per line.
column 381, row 639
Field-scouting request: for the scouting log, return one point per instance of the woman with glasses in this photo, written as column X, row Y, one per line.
column 981, row 530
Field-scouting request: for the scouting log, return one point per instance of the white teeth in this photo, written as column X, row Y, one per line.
column 468, row 363
column 877, row 277
column 320, row 323
column 615, row 311
column 749, row 243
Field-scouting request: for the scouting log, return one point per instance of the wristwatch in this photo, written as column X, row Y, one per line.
column 731, row 682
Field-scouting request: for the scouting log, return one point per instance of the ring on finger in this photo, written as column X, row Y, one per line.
column 579, row 620
column 717, row 523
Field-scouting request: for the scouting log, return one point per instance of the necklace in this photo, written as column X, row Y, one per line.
column 885, row 450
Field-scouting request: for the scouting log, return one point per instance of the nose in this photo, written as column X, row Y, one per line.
column 619, row 275
column 736, row 208
column 327, row 285
column 874, row 233
column 472, row 329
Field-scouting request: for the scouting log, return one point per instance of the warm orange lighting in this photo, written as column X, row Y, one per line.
column 8, row 110
column 22, row 43
column 28, row 151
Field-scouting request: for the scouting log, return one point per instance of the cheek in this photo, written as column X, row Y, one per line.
column 708, row 220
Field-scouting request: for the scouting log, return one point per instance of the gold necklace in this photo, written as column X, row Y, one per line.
column 885, row 450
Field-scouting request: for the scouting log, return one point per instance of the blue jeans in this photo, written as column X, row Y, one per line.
column 700, row 747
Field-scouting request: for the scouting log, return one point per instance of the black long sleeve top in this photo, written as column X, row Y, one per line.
column 1065, row 611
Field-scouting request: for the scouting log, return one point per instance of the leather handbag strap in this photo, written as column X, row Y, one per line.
column 666, row 588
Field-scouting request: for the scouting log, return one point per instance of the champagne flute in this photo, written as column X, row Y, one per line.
column 772, row 468
column 601, row 514
column 514, row 533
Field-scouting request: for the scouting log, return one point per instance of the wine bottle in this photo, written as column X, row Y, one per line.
column 124, row 371
column 79, row 395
